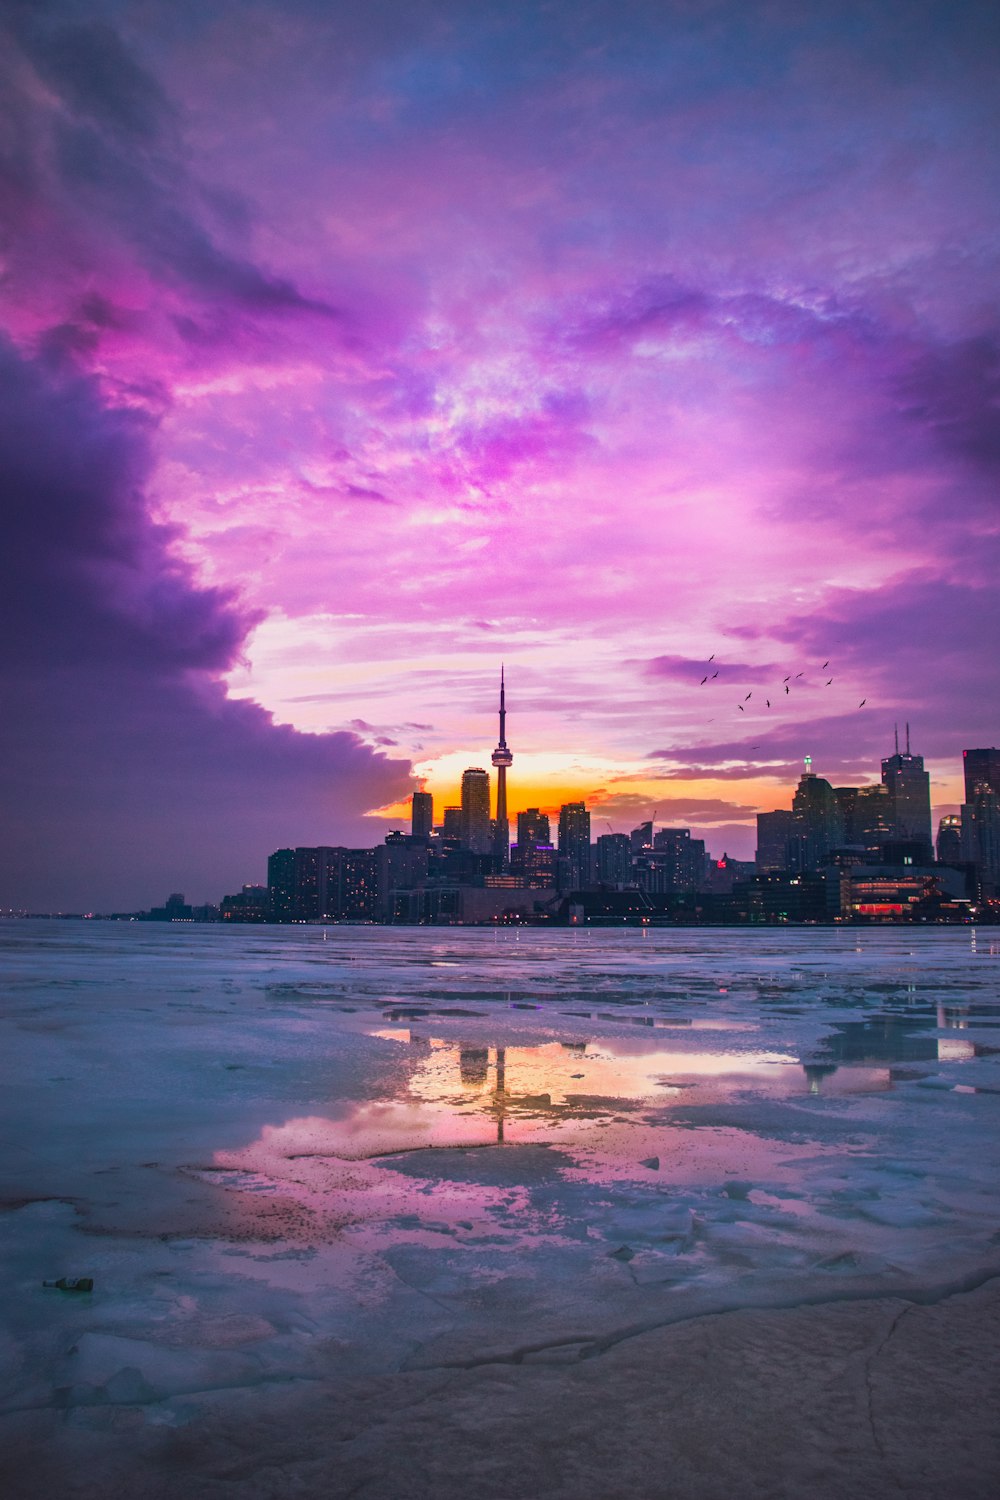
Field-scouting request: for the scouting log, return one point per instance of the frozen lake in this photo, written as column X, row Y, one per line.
column 290, row 1156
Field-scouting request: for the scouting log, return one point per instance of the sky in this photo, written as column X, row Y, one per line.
column 348, row 351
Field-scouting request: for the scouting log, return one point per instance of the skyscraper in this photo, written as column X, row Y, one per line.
column 949, row 840
column 574, row 843
column 817, row 825
column 533, row 827
column 422, row 815
column 476, row 810
column 774, row 829
column 502, row 758
column 980, row 837
column 982, row 768
column 614, row 859
column 909, row 786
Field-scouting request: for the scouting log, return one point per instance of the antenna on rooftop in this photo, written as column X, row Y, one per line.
column 907, row 736
column 896, row 730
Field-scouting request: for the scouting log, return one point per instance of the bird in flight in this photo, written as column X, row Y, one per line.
column 741, row 708
column 788, row 678
column 715, row 675
column 768, row 702
column 703, row 681
column 825, row 664
column 749, row 695
column 829, row 680
column 712, row 657
column 863, row 702
column 786, row 687
column 800, row 674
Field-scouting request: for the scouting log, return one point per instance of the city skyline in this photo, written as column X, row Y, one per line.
column 346, row 353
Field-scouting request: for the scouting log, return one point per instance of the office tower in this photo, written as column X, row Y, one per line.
column 774, row 829
column 949, row 840
column 574, row 845
column 476, row 810
column 817, row 826
column 614, row 859
column 422, row 815
column 502, row 758
column 641, row 838
column 533, row 828
column 982, row 768
column 909, row 786
column 451, row 823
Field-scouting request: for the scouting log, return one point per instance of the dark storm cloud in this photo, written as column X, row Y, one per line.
column 117, row 734
column 110, row 146
column 955, row 392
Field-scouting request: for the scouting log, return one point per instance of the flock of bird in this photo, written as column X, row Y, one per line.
column 792, row 678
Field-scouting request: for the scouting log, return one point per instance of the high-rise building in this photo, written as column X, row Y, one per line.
column 774, row 829
column 981, row 839
column 422, row 815
column 281, row 885
column 614, row 859
column 949, row 840
column 641, row 838
column 679, row 858
column 451, row 823
column 502, row 758
column 909, row 786
column 533, row 827
column 533, row 858
column 982, row 768
column 314, row 884
column 817, row 826
column 476, row 833
column 574, row 845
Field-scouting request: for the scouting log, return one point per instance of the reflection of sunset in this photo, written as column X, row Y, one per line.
column 556, row 1074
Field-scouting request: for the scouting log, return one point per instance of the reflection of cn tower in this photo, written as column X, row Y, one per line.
column 502, row 758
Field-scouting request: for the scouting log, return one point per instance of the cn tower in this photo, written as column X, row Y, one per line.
column 502, row 758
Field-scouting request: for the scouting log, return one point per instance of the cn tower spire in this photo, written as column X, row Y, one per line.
column 502, row 758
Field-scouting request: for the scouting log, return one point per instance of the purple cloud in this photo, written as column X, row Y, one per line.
column 126, row 769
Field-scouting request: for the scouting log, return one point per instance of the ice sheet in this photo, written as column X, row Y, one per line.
column 286, row 1152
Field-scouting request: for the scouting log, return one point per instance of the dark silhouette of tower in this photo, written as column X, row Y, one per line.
column 502, row 758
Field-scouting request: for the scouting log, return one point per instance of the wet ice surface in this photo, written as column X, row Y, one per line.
column 287, row 1152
